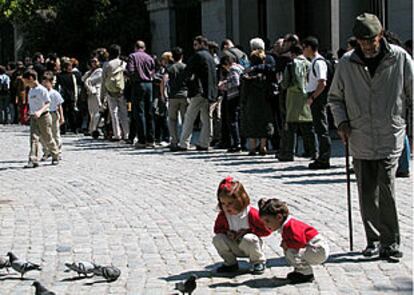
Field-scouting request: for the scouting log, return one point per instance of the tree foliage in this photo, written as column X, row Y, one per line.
column 76, row 27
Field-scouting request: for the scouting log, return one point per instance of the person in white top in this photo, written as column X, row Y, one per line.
column 40, row 120
column 56, row 111
column 93, row 81
column 317, row 99
column 113, row 87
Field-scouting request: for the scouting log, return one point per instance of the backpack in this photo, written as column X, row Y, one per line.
column 4, row 85
column 115, row 82
column 298, row 73
column 242, row 60
column 330, row 74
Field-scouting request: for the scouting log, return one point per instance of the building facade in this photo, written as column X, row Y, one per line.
column 175, row 22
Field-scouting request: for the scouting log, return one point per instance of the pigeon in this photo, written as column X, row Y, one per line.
column 41, row 290
column 5, row 263
column 82, row 267
column 110, row 273
column 21, row 266
column 187, row 286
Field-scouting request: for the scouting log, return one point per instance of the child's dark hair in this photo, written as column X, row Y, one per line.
column 273, row 207
column 231, row 188
column 30, row 73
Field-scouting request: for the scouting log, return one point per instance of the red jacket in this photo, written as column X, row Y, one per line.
column 297, row 234
column 257, row 227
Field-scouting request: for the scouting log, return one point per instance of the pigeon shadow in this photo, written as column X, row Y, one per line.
column 73, row 279
column 350, row 257
column 98, row 282
column 255, row 283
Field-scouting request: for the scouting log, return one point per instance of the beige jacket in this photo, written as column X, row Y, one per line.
column 375, row 107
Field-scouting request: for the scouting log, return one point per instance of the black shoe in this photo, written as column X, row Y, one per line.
column 31, row 165
column 284, row 159
column 252, row 153
column 403, row 174
column 299, row 278
column 390, row 252
column 236, row 149
column 370, row 250
column 228, row 268
column 44, row 157
column 316, row 165
column 180, row 149
column 55, row 162
column 259, row 268
column 200, row 148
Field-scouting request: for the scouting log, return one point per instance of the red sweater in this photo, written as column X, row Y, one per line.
column 257, row 227
column 297, row 234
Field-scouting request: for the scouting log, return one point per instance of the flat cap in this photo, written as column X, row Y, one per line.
column 366, row 26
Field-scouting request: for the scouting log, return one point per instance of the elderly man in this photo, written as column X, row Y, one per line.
column 371, row 88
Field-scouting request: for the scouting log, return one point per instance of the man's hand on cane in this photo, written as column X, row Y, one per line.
column 344, row 131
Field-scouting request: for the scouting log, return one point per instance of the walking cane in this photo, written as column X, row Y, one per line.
column 348, row 189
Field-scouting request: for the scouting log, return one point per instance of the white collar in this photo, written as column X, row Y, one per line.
column 241, row 214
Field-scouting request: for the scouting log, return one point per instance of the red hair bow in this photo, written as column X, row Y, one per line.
column 227, row 184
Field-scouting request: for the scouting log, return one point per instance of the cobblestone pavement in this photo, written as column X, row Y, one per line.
column 151, row 213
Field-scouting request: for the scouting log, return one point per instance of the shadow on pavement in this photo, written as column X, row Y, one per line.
column 72, row 279
column 255, row 283
column 98, row 282
column 350, row 257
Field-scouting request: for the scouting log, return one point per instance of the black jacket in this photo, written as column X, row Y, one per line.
column 201, row 75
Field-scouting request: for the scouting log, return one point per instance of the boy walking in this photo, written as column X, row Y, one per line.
column 56, row 111
column 40, row 120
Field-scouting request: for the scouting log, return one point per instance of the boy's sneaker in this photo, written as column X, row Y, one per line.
column 55, row 162
column 299, row 278
column 259, row 268
column 228, row 268
column 371, row 250
column 44, row 157
column 31, row 165
column 390, row 252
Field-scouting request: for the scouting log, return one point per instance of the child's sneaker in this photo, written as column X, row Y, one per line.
column 259, row 268
column 228, row 268
column 298, row 278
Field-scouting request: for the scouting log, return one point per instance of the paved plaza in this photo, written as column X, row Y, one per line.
column 151, row 213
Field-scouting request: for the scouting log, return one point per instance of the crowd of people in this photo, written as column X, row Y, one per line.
column 254, row 102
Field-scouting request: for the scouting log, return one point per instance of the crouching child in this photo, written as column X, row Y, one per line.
column 302, row 244
column 238, row 229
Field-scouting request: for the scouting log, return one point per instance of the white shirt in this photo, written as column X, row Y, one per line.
column 5, row 79
column 55, row 100
column 239, row 221
column 321, row 71
column 38, row 96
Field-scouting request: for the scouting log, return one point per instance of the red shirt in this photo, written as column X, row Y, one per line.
column 297, row 234
column 257, row 227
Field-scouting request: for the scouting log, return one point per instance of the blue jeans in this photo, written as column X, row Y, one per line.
column 143, row 111
column 404, row 161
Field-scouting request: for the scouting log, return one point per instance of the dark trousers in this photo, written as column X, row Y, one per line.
column 320, row 123
column 71, row 117
column 161, row 121
column 377, row 199
column 288, row 143
column 143, row 111
column 233, row 120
